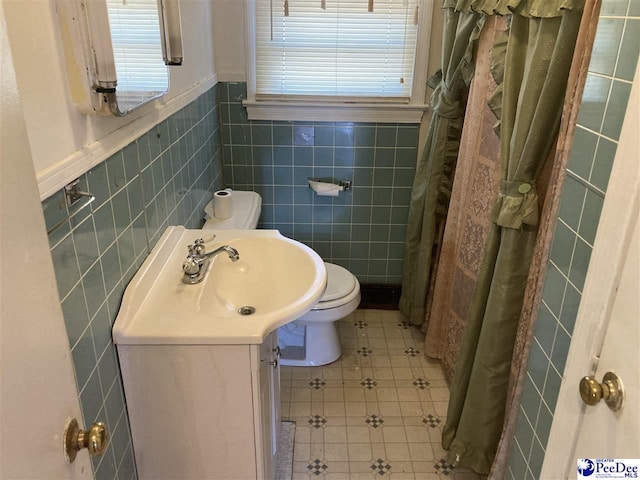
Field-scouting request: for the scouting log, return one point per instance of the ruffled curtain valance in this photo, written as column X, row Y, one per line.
column 497, row 58
column 525, row 8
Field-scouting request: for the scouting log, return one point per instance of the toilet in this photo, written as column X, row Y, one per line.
column 312, row 339
column 246, row 213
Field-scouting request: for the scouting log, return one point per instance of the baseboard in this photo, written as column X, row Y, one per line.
column 380, row 296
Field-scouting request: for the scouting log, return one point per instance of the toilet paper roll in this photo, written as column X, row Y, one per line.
column 325, row 189
column 223, row 203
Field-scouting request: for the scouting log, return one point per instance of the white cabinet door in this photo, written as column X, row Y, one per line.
column 274, row 385
column 270, row 402
column 191, row 411
column 37, row 389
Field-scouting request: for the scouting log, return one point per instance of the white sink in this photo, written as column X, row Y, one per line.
column 276, row 278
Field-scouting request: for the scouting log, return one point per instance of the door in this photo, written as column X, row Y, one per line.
column 607, row 332
column 37, row 388
column 605, row 433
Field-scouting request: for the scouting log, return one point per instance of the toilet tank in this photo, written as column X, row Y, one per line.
column 246, row 213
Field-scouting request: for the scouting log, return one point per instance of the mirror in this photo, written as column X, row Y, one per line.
column 123, row 48
column 136, row 38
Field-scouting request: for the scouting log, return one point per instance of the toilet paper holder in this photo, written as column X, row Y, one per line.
column 345, row 184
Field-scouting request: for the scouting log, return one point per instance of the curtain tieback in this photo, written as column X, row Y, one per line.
column 434, row 80
column 444, row 101
column 517, row 204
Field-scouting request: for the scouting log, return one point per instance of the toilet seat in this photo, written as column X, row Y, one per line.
column 344, row 293
column 342, row 288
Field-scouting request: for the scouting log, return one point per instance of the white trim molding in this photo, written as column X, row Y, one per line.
column 334, row 112
column 57, row 176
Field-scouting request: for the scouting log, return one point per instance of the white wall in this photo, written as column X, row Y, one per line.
column 229, row 39
column 64, row 142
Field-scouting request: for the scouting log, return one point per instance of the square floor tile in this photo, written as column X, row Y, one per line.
column 377, row 412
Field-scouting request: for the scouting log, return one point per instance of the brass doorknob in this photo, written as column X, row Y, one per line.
column 591, row 391
column 95, row 440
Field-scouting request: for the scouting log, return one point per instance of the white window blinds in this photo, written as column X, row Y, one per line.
column 137, row 48
column 336, row 49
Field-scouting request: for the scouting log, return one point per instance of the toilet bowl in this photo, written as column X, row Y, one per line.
column 312, row 339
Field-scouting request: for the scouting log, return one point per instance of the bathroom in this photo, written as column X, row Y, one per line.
column 147, row 171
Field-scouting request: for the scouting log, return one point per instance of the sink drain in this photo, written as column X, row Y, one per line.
column 246, row 310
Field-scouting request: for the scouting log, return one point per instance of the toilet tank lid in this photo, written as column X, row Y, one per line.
column 246, row 211
column 340, row 282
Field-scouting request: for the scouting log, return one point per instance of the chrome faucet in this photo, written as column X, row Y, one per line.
column 195, row 266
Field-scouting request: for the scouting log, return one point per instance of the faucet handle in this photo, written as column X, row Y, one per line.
column 198, row 247
column 207, row 239
column 190, row 266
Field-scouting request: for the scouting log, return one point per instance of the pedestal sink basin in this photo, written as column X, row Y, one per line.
column 275, row 281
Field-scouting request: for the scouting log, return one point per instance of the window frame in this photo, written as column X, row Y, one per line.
column 348, row 110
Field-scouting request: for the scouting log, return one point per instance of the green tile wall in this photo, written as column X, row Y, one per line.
column 162, row 178
column 363, row 229
column 614, row 59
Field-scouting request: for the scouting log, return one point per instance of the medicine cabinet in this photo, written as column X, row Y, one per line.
column 118, row 51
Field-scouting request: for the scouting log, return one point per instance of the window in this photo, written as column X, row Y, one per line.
column 358, row 60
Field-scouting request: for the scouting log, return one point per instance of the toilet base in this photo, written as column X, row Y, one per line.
column 316, row 352
column 314, row 336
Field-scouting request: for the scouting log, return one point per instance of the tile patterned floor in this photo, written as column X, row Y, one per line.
column 377, row 413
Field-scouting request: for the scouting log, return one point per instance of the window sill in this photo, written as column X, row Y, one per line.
column 334, row 112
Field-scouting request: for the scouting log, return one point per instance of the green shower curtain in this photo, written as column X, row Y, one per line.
column 539, row 51
column 432, row 184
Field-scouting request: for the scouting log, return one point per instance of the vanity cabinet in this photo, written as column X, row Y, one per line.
column 203, row 412
column 199, row 360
